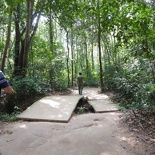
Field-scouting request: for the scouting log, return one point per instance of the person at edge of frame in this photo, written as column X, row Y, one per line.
column 4, row 84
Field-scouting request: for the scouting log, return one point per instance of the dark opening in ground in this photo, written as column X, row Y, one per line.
column 83, row 107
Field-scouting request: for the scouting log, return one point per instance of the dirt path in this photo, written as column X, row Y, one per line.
column 87, row 134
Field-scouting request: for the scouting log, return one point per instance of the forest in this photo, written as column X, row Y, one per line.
column 44, row 44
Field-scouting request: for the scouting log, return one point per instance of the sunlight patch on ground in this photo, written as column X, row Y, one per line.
column 51, row 103
column 127, row 139
column 23, row 126
column 105, row 153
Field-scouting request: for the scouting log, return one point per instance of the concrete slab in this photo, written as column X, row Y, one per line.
column 51, row 108
column 103, row 105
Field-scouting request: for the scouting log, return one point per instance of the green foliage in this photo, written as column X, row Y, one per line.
column 12, row 3
column 127, row 35
column 110, row 75
column 10, row 117
column 134, row 82
column 27, row 90
column 60, row 81
column 7, row 117
column 146, row 97
column 80, row 110
column 29, row 86
column 92, row 80
column 47, row 64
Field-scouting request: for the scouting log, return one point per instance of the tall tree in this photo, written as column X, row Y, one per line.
column 7, row 44
column 68, row 53
column 25, row 32
column 99, row 46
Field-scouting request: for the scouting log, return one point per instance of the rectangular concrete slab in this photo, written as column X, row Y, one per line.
column 103, row 105
column 51, row 108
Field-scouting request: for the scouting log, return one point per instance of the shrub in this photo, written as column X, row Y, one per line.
column 27, row 89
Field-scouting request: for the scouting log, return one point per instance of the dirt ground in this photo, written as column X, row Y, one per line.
column 87, row 134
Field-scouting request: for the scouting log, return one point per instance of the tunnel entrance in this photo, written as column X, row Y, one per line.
column 83, row 107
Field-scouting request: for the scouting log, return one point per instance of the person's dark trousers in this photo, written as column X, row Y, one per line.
column 80, row 89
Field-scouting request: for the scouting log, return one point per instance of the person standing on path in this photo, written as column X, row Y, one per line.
column 5, row 85
column 80, row 80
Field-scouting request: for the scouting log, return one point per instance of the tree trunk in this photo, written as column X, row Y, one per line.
column 27, row 36
column 17, row 43
column 86, row 48
column 92, row 56
column 72, row 58
column 51, row 29
column 68, row 59
column 23, row 43
column 153, row 71
column 99, row 48
column 7, row 44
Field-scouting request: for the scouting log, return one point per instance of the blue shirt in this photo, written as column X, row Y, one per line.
column 3, row 81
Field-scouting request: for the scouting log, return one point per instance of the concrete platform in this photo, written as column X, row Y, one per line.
column 105, row 105
column 51, row 108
